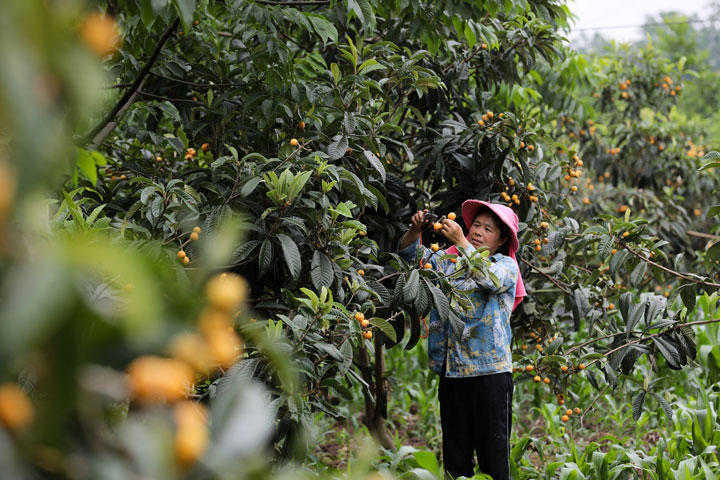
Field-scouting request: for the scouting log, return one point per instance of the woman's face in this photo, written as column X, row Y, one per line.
column 485, row 232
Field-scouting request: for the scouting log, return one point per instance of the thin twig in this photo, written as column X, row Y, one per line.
column 589, row 407
column 135, row 85
column 671, row 272
column 193, row 84
column 159, row 97
column 294, row 4
column 557, row 284
column 654, row 335
column 703, row 235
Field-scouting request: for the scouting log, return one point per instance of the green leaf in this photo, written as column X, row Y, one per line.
column 186, row 10
column 617, row 261
column 637, row 405
column 321, row 271
column 266, row 256
column 346, row 351
column 456, row 323
column 625, row 303
column 325, row 29
column 665, row 406
column 412, row 287
column 655, row 306
column 86, row 164
column 369, row 66
column 385, row 326
column 605, row 246
column 668, row 351
column 638, row 273
column 375, row 163
column 710, row 156
column 440, row 300
column 337, row 147
column 291, row 254
column 712, row 256
column 688, row 296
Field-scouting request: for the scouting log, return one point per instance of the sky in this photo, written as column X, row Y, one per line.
column 613, row 13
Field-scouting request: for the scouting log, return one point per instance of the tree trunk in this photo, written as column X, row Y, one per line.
column 376, row 398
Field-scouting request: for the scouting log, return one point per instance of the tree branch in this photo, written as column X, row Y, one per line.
column 92, row 137
column 671, row 272
column 193, row 84
column 546, row 276
column 294, row 4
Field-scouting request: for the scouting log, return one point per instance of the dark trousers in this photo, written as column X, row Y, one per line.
column 476, row 416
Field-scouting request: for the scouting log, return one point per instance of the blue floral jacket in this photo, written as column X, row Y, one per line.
column 484, row 348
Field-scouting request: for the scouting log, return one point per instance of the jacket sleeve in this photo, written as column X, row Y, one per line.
column 502, row 266
column 408, row 253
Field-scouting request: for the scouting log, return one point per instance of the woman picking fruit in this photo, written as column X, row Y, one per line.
column 476, row 370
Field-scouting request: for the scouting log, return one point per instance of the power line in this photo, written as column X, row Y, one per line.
column 646, row 25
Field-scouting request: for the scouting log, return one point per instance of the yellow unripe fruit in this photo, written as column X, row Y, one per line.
column 294, row 142
column 192, row 349
column 223, row 343
column 16, row 410
column 159, row 380
column 100, row 33
column 226, row 292
column 192, row 436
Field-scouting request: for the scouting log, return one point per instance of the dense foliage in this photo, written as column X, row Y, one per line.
column 216, row 272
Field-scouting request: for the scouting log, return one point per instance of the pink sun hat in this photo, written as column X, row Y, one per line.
column 470, row 209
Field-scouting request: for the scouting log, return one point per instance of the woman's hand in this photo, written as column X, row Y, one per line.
column 454, row 233
column 418, row 219
column 414, row 231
